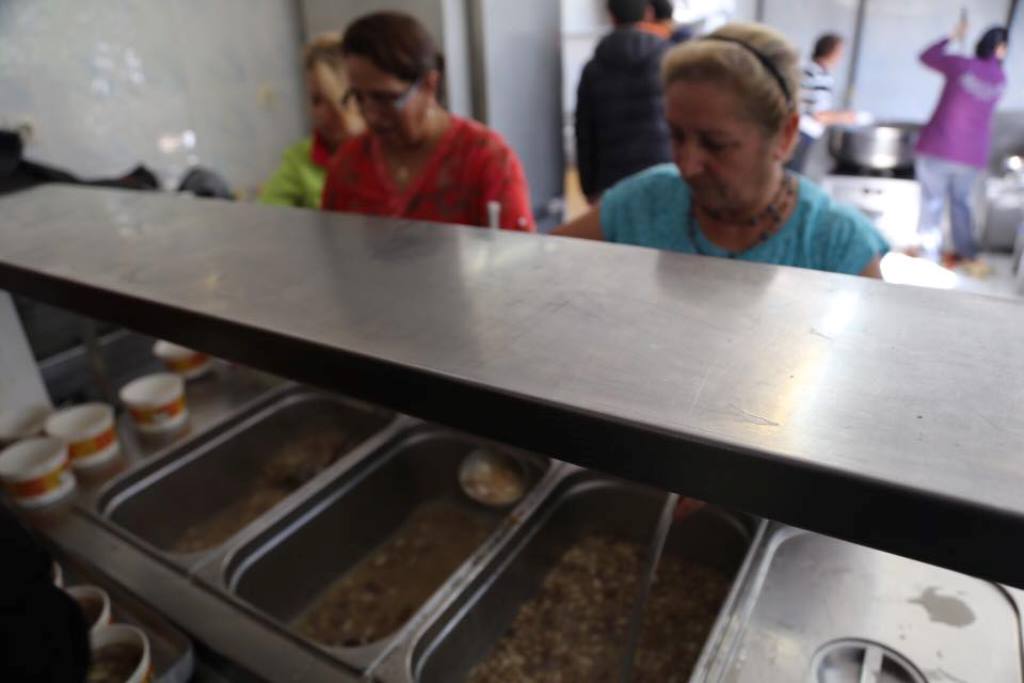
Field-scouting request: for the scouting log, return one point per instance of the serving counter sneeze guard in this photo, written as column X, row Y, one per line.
column 874, row 414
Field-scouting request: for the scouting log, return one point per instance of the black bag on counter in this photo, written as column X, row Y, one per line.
column 18, row 173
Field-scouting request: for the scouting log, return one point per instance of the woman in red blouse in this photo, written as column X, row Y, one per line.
column 417, row 160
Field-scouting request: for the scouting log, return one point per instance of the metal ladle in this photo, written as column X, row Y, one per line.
column 492, row 478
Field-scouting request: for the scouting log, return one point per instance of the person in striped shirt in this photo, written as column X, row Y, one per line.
column 817, row 98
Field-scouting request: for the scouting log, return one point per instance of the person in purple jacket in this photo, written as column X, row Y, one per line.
column 953, row 147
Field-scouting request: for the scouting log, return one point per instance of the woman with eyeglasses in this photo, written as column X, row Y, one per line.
column 299, row 180
column 417, row 160
column 730, row 103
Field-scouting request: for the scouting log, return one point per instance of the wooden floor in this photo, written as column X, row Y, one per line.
column 575, row 202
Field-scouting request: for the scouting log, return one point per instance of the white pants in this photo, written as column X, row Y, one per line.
column 943, row 180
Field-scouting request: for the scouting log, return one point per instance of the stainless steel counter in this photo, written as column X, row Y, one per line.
column 252, row 650
column 885, row 415
column 264, row 651
column 818, row 609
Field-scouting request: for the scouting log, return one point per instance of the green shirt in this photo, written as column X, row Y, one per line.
column 298, row 181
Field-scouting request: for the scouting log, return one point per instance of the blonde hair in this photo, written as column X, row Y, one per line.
column 730, row 56
column 326, row 49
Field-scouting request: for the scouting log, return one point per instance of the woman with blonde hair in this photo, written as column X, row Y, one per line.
column 731, row 106
column 299, row 180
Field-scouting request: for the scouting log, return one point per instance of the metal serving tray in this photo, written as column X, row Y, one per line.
column 283, row 571
column 820, row 609
column 161, row 500
column 468, row 627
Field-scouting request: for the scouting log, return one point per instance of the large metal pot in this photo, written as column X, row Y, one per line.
column 878, row 147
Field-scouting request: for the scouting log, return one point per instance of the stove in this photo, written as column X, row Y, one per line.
column 892, row 202
column 848, row 169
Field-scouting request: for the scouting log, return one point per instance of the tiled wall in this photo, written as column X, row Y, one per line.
column 108, row 84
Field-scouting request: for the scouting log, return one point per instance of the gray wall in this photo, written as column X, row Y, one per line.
column 892, row 83
column 1014, row 98
column 813, row 19
column 584, row 22
column 107, row 85
column 522, row 86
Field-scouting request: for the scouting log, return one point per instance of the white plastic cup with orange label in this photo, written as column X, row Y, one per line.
column 156, row 403
column 183, row 361
column 89, row 431
column 35, row 472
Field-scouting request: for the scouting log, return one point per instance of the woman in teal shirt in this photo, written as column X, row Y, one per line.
column 729, row 102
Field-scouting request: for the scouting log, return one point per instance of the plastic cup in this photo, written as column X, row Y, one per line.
column 124, row 636
column 35, row 472
column 156, row 403
column 89, row 431
column 188, row 363
column 95, row 605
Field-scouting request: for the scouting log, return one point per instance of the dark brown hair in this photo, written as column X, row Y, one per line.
column 395, row 43
column 993, row 38
column 627, row 11
column 663, row 9
column 826, row 45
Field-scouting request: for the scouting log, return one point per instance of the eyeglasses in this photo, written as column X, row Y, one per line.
column 380, row 100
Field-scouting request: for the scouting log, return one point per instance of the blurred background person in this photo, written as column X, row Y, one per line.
column 731, row 107
column 663, row 24
column 652, row 23
column 299, row 180
column 954, row 146
column 417, row 160
column 818, row 98
column 620, row 119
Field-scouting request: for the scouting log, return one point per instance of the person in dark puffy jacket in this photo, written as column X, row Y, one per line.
column 620, row 118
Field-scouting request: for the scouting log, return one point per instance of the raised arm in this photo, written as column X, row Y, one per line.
column 935, row 57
